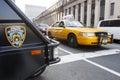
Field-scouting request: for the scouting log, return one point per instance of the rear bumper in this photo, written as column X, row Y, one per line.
column 53, row 45
column 56, row 60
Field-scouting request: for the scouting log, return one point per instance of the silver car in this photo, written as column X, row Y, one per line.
column 43, row 28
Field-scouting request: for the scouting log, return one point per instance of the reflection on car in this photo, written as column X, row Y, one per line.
column 43, row 28
column 76, row 33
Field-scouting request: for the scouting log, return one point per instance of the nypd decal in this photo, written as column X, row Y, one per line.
column 15, row 35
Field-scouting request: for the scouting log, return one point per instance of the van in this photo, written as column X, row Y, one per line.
column 112, row 26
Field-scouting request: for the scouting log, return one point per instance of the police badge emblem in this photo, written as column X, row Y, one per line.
column 15, row 35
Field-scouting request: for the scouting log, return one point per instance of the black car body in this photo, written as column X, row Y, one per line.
column 24, row 51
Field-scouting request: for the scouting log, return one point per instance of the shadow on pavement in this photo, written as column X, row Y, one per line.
column 84, row 48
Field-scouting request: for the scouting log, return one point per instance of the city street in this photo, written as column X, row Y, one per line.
column 85, row 63
column 60, row 40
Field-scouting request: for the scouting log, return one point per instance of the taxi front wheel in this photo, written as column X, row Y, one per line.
column 72, row 41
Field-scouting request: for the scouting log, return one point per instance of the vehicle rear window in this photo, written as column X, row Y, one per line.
column 111, row 23
column 56, row 24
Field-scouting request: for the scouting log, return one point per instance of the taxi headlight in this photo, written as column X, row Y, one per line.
column 89, row 34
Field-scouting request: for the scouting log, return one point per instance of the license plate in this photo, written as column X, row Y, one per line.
column 104, row 40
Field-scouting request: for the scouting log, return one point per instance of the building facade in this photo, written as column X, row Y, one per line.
column 89, row 12
column 33, row 11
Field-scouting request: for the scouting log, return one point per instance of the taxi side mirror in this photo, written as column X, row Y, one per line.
column 64, row 26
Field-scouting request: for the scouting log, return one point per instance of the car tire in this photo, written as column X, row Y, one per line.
column 72, row 41
column 38, row 73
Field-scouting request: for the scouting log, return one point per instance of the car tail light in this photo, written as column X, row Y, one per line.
column 36, row 52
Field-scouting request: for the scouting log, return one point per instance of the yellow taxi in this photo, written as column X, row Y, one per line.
column 76, row 33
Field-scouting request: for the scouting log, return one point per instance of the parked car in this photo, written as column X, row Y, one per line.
column 43, row 28
column 111, row 25
column 24, row 51
column 76, row 33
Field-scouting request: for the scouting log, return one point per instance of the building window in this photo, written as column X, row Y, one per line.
column 74, row 7
column 85, row 12
column 92, row 12
column 70, row 10
column 64, row 2
column 62, row 13
column 112, row 9
column 68, row 1
column 79, row 12
column 65, row 11
column 102, row 9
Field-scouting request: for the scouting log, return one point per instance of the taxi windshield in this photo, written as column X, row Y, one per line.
column 73, row 24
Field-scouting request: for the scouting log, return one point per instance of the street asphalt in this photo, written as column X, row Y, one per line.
column 85, row 63
column 78, row 70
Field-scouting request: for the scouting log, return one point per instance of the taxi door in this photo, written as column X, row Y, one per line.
column 61, row 30
column 54, row 29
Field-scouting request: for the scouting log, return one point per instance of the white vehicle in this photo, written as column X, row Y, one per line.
column 112, row 26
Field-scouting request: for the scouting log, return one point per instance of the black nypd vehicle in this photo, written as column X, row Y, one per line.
column 24, row 51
